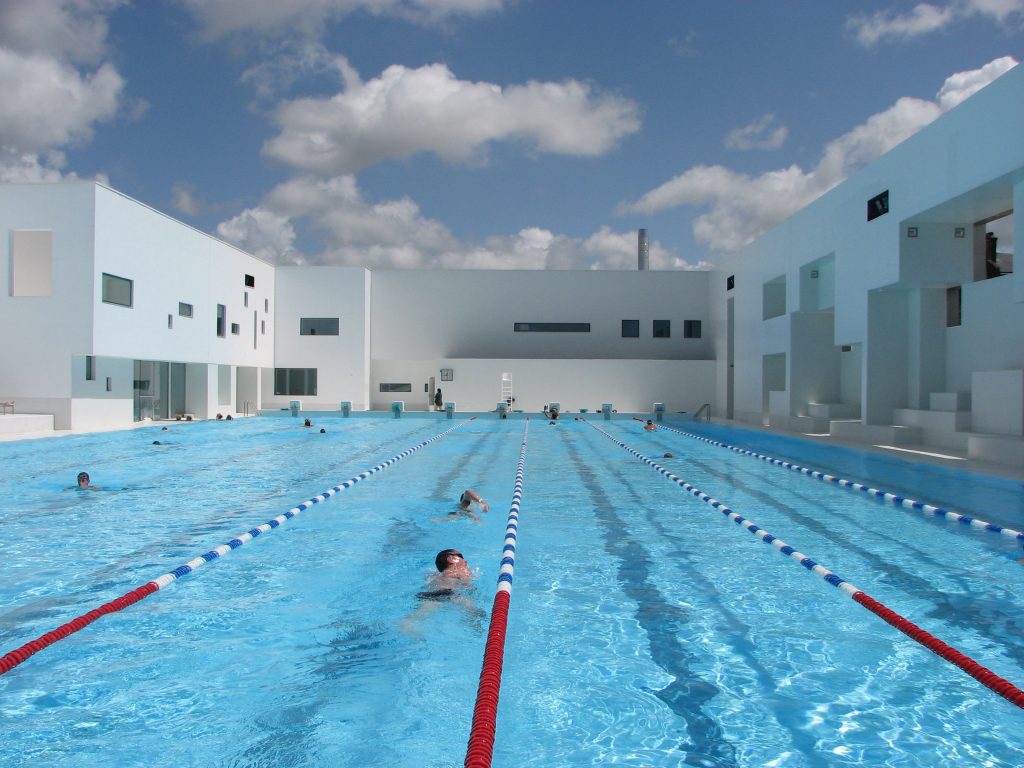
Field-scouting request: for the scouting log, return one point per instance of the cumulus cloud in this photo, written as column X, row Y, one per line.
column 764, row 133
column 742, row 207
column 396, row 234
column 221, row 18
column 408, row 111
column 925, row 18
column 53, row 97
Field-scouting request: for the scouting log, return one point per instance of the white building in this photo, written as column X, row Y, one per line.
column 873, row 314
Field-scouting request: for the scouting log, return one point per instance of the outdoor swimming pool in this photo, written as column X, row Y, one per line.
column 645, row 628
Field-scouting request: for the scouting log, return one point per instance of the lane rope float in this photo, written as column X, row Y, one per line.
column 982, row 674
column 892, row 498
column 13, row 658
column 485, row 714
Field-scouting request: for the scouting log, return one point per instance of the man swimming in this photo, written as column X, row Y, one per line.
column 469, row 502
column 452, row 580
column 83, row 484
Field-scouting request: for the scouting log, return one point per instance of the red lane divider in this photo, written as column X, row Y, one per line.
column 485, row 714
column 12, row 659
column 983, row 675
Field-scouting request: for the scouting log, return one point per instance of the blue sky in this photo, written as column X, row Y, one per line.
column 482, row 133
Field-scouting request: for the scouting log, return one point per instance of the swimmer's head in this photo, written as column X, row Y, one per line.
column 649, row 421
column 464, row 500
column 323, row 431
column 441, row 561
column 83, row 478
column 668, row 455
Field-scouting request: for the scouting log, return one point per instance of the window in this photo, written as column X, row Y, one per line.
column 235, row 329
column 730, row 282
column 396, row 387
column 90, row 368
column 117, row 290
column 266, row 305
column 245, row 299
column 631, row 329
column 222, row 312
column 295, row 381
column 953, row 317
column 170, row 321
column 110, row 384
column 263, row 327
column 662, row 329
column 184, row 310
column 250, row 281
column 878, row 205
column 691, row 329
column 318, row 326
column 31, row 262
column 773, row 298
column 552, row 327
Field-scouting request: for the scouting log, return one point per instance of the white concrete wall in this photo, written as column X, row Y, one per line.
column 991, row 334
column 433, row 314
column 342, row 361
column 632, row 385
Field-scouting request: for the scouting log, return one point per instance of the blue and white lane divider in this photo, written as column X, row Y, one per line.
column 892, row 498
column 983, row 675
column 13, row 658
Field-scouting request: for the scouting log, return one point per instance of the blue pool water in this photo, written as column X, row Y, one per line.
column 645, row 628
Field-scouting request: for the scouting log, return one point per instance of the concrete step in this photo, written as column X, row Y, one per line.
column 877, row 434
column 942, row 429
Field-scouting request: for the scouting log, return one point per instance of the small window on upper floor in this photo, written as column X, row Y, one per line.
column 235, row 329
column 691, row 329
column 662, row 329
column 117, row 290
column 318, row 326
column 878, row 205
column 630, row 329
column 184, row 310
column 250, row 281
column 222, row 312
column 90, row 368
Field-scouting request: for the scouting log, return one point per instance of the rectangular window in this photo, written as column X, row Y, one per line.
column 110, row 384
column 117, row 290
column 552, row 327
column 396, row 387
column 222, row 313
column 170, row 322
column 691, row 329
column 263, row 327
column 295, row 381
column 631, row 329
column 250, row 281
column 878, row 205
column 266, row 305
column 662, row 329
column 235, row 329
column 245, row 299
column 31, row 262
column 953, row 318
column 318, row 326
column 90, row 368
column 184, row 310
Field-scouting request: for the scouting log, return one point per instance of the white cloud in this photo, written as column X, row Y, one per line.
column 764, row 133
column 220, row 18
column 395, row 234
column 926, row 18
column 184, row 199
column 407, row 111
column 73, row 30
column 743, row 207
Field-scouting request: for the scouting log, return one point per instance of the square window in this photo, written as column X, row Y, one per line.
column 250, row 281
column 235, row 329
column 184, row 310
column 630, row 329
column 691, row 329
column 662, row 329
column 878, row 206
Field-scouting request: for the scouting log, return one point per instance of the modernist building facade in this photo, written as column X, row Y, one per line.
column 882, row 312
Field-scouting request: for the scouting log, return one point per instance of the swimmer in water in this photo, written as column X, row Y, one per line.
column 649, row 426
column 449, row 584
column 83, row 484
column 469, row 503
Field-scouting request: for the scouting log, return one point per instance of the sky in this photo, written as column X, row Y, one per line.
column 515, row 134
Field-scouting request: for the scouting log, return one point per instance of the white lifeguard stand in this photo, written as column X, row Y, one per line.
column 506, row 389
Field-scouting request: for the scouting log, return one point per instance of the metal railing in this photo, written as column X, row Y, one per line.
column 706, row 407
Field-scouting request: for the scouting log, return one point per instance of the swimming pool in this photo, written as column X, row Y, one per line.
column 645, row 629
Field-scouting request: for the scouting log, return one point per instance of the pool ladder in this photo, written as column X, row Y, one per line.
column 702, row 409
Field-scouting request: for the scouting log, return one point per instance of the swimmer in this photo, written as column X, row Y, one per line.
column 323, row 431
column 229, row 417
column 469, row 502
column 449, row 584
column 83, row 484
column 649, row 426
column 220, row 417
column 163, row 429
column 307, row 423
column 668, row 456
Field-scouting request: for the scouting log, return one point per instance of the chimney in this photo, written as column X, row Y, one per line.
column 642, row 251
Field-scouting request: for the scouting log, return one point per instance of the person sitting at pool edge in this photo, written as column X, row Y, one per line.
column 83, row 484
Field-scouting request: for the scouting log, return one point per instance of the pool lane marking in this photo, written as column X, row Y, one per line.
column 485, row 714
column 13, row 658
column 983, row 675
column 892, row 498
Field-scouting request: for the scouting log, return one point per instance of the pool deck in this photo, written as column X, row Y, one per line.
column 33, row 426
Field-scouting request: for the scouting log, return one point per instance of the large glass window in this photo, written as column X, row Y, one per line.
column 117, row 290
column 318, row 326
column 662, row 329
column 396, row 387
column 552, row 327
column 295, row 381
